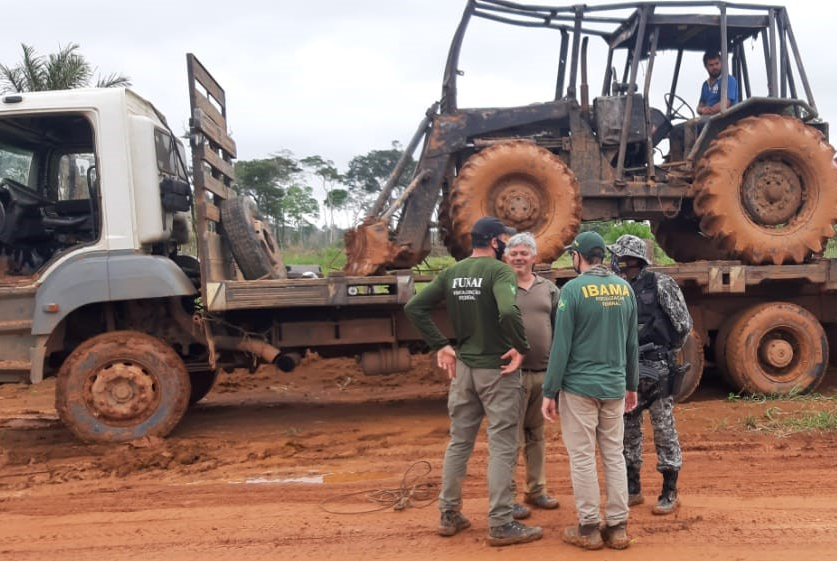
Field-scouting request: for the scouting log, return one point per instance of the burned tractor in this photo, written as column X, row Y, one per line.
column 754, row 183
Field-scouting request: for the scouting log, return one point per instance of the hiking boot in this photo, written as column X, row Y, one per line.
column 585, row 536
column 668, row 500
column 512, row 533
column 520, row 512
column 616, row 537
column 542, row 501
column 452, row 522
column 634, row 500
column 634, row 488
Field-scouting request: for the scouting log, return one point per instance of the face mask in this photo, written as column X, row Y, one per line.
column 501, row 248
column 614, row 264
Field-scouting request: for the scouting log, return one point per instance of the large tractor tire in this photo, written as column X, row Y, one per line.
column 255, row 249
column 524, row 185
column 681, row 239
column 777, row 348
column 446, row 228
column 766, row 188
column 121, row 386
column 691, row 353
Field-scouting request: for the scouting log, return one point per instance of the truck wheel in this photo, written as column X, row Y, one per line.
column 692, row 352
column 681, row 239
column 767, row 189
column 777, row 348
column 201, row 383
column 251, row 240
column 121, row 386
column 524, row 185
column 721, row 339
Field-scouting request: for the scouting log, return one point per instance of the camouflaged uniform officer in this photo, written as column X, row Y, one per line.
column 664, row 323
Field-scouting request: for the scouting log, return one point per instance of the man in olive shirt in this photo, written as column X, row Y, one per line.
column 537, row 299
column 485, row 378
column 594, row 364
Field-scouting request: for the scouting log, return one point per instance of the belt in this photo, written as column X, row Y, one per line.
column 527, row 371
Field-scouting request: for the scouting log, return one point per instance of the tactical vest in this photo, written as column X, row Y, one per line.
column 654, row 324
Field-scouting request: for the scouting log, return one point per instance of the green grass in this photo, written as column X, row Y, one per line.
column 781, row 423
column 329, row 259
column 831, row 248
column 433, row 264
column 793, row 395
column 813, row 412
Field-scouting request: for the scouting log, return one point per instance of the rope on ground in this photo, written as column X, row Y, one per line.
column 414, row 490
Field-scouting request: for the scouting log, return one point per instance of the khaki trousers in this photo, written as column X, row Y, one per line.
column 584, row 423
column 475, row 392
column 531, row 434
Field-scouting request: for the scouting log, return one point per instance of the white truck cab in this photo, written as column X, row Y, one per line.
column 94, row 202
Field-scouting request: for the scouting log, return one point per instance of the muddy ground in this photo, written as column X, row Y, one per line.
column 281, row 466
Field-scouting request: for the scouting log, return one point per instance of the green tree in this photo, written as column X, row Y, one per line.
column 368, row 173
column 298, row 205
column 330, row 178
column 266, row 181
column 64, row 70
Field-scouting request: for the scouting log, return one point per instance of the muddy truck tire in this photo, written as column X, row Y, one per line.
column 777, row 348
column 720, row 349
column 121, row 386
column 681, row 240
column 256, row 251
column 524, row 185
column 766, row 189
column 691, row 353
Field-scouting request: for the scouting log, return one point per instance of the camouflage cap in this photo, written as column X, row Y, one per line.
column 630, row 246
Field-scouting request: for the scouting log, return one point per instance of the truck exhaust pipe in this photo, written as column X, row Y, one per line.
column 286, row 362
column 262, row 349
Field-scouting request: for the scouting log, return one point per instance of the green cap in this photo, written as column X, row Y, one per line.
column 586, row 242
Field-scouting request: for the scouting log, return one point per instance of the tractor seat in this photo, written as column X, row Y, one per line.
column 660, row 126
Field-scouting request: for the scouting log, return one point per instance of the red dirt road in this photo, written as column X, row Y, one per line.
column 243, row 477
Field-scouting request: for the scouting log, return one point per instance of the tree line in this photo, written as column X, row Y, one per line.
column 283, row 187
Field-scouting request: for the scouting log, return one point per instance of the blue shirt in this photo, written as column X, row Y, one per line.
column 710, row 95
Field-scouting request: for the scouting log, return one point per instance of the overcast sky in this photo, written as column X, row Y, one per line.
column 334, row 77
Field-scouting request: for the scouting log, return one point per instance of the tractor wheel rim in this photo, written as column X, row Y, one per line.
column 772, row 192
column 518, row 201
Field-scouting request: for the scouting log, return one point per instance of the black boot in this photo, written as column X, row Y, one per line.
column 668, row 501
column 634, row 489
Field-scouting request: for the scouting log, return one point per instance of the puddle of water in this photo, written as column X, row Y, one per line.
column 340, row 477
column 316, row 479
column 351, row 476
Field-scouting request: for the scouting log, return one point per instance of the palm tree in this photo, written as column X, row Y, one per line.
column 64, row 70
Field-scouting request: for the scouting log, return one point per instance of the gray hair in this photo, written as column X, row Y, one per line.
column 523, row 238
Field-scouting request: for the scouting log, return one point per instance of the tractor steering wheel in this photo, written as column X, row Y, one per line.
column 674, row 112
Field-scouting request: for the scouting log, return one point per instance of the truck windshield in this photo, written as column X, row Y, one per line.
column 15, row 163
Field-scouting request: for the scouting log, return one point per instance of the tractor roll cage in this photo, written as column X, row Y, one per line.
column 647, row 30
